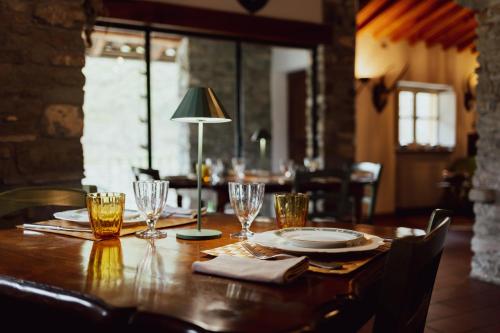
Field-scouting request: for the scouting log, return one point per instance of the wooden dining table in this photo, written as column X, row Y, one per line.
column 276, row 184
column 138, row 284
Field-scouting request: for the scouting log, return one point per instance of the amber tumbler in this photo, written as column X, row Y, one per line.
column 291, row 209
column 106, row 213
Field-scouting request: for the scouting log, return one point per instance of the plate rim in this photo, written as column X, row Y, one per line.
column 376, row 241
column 318, row 242
column 134, row 220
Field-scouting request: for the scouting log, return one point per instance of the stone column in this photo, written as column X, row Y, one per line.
column 336, row 123
column 41, row 96
column 486, row 240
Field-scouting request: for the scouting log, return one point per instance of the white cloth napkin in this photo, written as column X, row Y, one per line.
column 182, row 212
column 273, row 271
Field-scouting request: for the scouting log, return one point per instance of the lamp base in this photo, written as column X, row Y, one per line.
column 195, row 234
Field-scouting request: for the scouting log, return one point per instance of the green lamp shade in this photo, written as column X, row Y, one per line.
column 200, row 105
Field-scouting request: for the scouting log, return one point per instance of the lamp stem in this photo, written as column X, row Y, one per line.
column 200, row 152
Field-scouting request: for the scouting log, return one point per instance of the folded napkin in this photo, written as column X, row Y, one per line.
column 182, row 212
column 274, row 271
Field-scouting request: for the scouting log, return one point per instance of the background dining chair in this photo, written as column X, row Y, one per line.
column 408, row 281
column 334, row 202
column 374, row 171
column 437, row 216
column 145, row 174
column 37, row 196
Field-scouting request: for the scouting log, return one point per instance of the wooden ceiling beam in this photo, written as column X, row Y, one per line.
column 446, row 9
column 445, row 24
column 407, row 19
column 450, row 38
column 388, row 15
column 370, row 11
column 465, row 38
column 466, row 44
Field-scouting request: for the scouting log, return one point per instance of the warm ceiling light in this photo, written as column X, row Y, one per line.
column 170, row 52
column 139, row 49
column 125, row 48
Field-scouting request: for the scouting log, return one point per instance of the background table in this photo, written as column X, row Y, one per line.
column 276, row 184
column 133, row 282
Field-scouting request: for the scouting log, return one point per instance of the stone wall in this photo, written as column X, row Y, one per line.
column 41, row 91
column 336, row 123
column 211, row 63
column 486, row 240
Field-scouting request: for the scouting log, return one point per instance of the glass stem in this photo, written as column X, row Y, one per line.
column 151, row 224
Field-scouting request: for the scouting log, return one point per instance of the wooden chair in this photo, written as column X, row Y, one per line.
column 437, row 216
column 27, row 197
column 410, row 272
column 335, row 203
column 375, row 171
column 146, row 174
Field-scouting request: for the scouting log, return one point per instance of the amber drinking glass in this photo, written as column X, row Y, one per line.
column 106, row 213
column 291, row 209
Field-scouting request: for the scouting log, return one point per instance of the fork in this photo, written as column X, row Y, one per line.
column 260, row 256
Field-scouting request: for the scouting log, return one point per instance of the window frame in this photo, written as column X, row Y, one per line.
column 421, row 87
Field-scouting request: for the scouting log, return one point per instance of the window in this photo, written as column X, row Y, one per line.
column 426, row 116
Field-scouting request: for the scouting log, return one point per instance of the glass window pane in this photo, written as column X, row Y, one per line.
column 427, row 105
column 405, row 104
column 114, row 138
column 405, row 131
column 447, row 119
column 427, row 132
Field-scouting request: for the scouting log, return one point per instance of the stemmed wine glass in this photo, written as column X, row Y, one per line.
column 151, row 198
column 246, row 200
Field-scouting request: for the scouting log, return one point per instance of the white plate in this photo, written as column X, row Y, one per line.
column 269, row 239
column 321, row 238
column 82, row 216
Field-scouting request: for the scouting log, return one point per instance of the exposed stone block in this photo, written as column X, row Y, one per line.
column 61, row 13
column 63, row 120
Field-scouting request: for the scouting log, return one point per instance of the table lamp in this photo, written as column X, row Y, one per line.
column 200, row 105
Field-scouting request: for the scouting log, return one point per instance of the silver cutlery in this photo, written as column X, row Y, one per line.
column 316, row 263
column 41, row 227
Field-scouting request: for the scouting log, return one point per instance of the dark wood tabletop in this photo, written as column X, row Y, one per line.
column 150, row 284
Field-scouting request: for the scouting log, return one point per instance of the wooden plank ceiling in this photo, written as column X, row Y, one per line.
column 433, row 21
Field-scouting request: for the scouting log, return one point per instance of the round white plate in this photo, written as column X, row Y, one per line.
column 269, row 239
column 321, row 238
column 82, row 216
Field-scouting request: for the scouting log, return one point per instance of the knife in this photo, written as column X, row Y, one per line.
column 41, row 227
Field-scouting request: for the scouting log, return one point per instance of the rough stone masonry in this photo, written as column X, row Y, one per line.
column 486, row 240
column 41, row 91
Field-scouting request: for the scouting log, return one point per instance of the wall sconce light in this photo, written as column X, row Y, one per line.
column 469, row 94
column 262, row 136
column 381, row 90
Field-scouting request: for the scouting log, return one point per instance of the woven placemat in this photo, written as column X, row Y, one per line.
column 127, row 229
column 349, row 262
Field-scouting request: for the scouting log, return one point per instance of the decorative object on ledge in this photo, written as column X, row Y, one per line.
column 262, row 136
column 381, row 91
column 253, row 5
column 200, row 105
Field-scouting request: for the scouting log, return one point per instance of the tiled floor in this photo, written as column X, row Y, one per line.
column 459, row 303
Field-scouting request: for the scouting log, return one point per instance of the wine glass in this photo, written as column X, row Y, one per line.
column 246, row 200
column 239, row 167
column 151, row 199
column 287, row 167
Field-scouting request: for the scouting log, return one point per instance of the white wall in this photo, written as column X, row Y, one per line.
column 299, row 10
column 283, row 61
